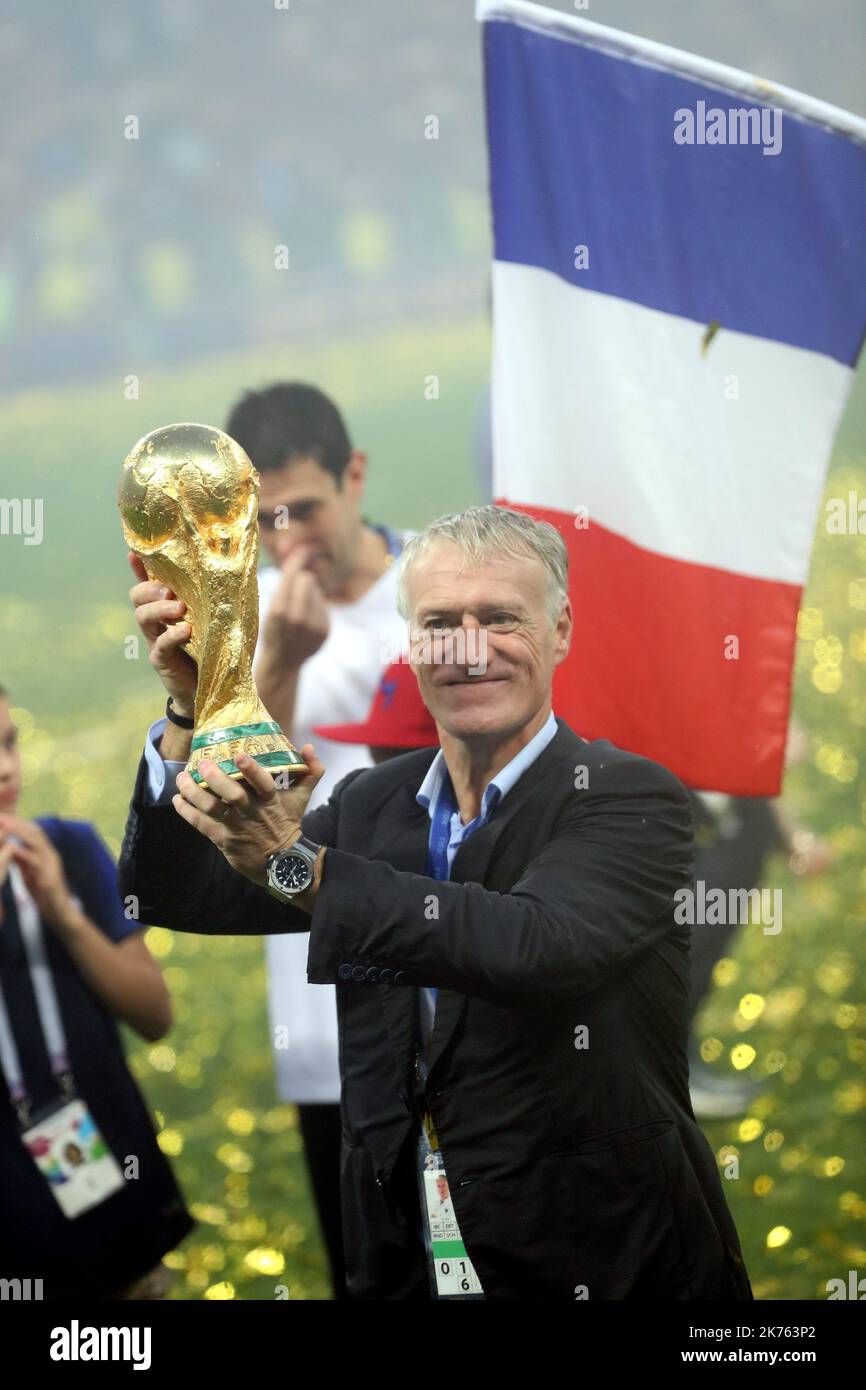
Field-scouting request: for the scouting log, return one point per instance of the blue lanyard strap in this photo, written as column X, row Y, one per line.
column 437, row 849
column 440, row 834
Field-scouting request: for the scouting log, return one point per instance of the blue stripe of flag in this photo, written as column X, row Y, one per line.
column 582, row 152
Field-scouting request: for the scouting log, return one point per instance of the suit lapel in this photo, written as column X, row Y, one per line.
column 473, row 858
column 401, row 839
column 402, row 842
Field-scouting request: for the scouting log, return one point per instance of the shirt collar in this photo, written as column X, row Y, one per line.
column 434, row 784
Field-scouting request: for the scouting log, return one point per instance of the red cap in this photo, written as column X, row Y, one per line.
column 398, row 719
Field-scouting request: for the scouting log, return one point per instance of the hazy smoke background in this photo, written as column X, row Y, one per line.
column 301, row 127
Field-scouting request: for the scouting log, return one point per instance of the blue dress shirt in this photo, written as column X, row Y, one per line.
column 161, row 775
column 447, row 831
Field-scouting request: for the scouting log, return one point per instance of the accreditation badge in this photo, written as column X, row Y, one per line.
column 452, row 1273
column 73, row 1157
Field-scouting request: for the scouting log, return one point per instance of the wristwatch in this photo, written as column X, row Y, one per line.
column 290, row 871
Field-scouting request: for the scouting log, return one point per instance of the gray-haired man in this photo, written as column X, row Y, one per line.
column 498, row 916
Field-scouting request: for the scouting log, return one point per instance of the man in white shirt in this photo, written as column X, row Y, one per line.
column 328, row 628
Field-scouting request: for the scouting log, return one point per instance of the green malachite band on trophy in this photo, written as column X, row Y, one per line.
column 213, row 736
column 265, row 760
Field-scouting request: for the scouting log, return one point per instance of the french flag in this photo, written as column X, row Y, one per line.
column 679, row 300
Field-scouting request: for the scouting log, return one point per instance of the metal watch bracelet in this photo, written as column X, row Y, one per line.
column 301, row 848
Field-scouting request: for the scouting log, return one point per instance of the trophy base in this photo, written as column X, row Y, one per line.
column 263, row 741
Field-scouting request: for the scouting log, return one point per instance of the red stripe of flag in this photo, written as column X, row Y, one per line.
column 647, row 667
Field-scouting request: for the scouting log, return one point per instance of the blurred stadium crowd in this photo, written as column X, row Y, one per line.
column 117, row 252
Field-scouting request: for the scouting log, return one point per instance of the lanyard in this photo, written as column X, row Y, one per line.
column 47, row 1006
column 440, row 832
column 438, row 867
column 452, row 1273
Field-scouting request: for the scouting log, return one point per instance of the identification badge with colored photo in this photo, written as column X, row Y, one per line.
column 453, row 1273
column 73, row 1158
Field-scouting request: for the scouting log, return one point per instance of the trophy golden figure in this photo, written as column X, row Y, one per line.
column 188, row 498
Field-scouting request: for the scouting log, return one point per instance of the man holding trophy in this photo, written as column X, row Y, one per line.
column 498, row 915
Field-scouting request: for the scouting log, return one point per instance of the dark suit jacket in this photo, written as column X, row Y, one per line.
column 570, row 1166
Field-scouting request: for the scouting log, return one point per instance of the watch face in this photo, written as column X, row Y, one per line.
column 292, row 873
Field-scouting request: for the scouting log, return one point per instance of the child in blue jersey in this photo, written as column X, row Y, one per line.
column 88, row 1202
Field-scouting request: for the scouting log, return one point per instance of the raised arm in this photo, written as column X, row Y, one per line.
column 171, row 876
column 167, row 874
column 600, row 893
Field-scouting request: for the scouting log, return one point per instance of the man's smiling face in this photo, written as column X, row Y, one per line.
column 505, row 598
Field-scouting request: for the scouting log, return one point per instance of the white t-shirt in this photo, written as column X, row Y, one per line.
column 336, row 686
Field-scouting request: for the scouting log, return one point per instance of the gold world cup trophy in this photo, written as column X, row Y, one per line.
column 188, row 498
